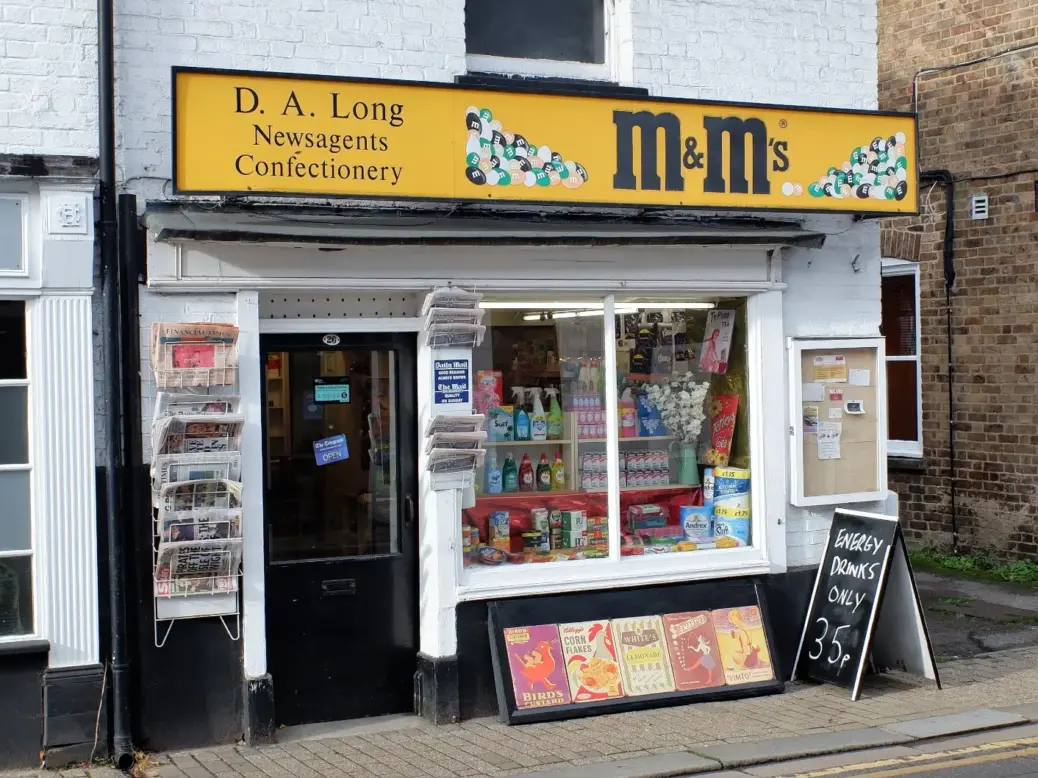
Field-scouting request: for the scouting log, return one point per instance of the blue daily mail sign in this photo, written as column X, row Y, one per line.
column 450, row 381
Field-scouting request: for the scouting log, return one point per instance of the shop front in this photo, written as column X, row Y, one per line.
column 543, row 275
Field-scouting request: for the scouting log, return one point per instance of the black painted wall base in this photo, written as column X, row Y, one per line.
column 438, row 689
column 786, row 594
column 73, row 708
column 259, row 710
column 21, row 719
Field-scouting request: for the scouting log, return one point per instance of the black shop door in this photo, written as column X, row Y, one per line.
column 339, row 510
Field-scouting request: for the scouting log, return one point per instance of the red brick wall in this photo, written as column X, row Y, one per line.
column 980, row 120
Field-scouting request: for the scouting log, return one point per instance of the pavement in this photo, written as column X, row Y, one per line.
column 982, row 690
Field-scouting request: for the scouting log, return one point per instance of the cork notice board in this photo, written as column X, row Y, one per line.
column 838, row 421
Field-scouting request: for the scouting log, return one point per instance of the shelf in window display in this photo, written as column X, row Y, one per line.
column 500, row 443
column 636, row 439
column 579, row 492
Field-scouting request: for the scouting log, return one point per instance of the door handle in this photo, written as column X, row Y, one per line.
column 408, row 511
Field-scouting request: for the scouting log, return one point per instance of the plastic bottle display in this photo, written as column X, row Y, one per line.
column 538, row 418
column 558, row 473
column 543, row 474
column 494, row 474
column 628, row 416
column 526, row 475
column 522, row 418
column 556, row 427
column 510, row 475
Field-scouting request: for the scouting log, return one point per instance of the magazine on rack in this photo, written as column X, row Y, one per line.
column 168, row 468
column 170, row 404
column 211, row 524
column 202, row 434
column 200, row 494
column 197, row 567
column 196, row 354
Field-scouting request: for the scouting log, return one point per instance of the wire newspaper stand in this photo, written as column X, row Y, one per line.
column 196, row 477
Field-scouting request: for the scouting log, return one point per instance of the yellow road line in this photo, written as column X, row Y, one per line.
column 950, row 764
column 904, row 760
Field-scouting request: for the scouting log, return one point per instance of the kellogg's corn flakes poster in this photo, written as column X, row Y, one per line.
column 744, row 649
column 591, row 663
column 694, row 656
column 538, row 668
column 644, row 663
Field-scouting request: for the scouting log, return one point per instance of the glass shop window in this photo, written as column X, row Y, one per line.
column 684, row 454
column 573, row 31
column 539, row 377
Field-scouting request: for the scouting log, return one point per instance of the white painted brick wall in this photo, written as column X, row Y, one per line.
column 174, row 308
column 48, row 77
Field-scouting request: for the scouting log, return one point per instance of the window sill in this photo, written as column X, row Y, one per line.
column 906, row 464
column 581, row 87
column 23, row 646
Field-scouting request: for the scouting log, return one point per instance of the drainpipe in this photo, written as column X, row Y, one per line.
column 945, row 178
column 121, row 746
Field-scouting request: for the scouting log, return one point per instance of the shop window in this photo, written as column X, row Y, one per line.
column 540, row 380
column 545, row 38
column 16, row 616
column 683, row 416
column 675, row 407
column 900, row 286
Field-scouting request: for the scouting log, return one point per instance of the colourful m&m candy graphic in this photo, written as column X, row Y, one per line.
column 878, row 170
column 497, row 156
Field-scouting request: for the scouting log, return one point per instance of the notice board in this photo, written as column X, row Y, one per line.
column 838, row 420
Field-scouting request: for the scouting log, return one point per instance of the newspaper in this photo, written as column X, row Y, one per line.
column 168, row 468
column 200, row 434
column 197, row 567
column 200, row 494
column 450, row 297
column 448, row 460
column 169, row 404
column 454, row 335
column 212, row 524
column 471, row 423
column 459, row 441
column 438, row 316
column 197, row 354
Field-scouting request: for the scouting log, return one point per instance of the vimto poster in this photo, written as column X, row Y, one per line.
column 591, row 663
column 694, row 656
column 644, row 664
column 537, row 667
column 744, row 649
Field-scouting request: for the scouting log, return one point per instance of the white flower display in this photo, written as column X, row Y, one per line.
column 680, row 402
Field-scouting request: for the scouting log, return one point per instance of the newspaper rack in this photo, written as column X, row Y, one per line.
column 196, row 477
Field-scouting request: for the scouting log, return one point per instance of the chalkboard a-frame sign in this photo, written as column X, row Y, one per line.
column 864, row 607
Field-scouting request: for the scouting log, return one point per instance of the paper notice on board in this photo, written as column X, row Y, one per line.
column 836, row 393
column 836, row 413
column 831, row 368
column 812, row 393
column 860, row 377
column 829, row 433
column 810, row 419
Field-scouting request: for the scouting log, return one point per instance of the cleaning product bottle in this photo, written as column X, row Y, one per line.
column 558, row 473
column 522, row 418
column 555, row 425
column 628, row 415
column 526, row 477
column 538, row 418
column 494, row 473
column 543, row 474
column 510, row 475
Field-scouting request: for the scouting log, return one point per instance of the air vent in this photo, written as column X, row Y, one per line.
column 979, row 207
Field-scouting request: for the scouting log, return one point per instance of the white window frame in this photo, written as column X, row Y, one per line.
column 30, row 552
column 767, row 554
column 908, row 448
column 550, row 68
column 24, row 205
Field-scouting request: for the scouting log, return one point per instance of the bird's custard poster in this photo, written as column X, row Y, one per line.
column 743, row 647
column 538, row 669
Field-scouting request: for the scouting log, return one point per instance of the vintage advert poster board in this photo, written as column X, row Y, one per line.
column 865, row 609
column 643, row 662
column 838, row 421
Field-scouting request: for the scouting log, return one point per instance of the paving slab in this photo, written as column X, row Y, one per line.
column 785, row 748
column 795, row 766
column 1028, row 710
column 1010, row 734
column 956, row 723
column 655, row 766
